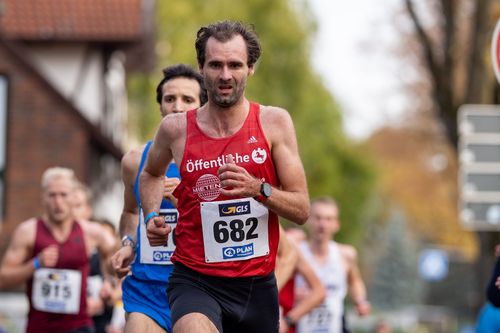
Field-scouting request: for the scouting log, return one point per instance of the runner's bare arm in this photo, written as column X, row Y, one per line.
column 170, row 185
column 130, row 213
column 152, row 176
column 16, row 268
column 286, row 260
column 129, row 217
column 151, row 184
column 317, row 291
column 291, row 201
column 357, row 288
column 106, row 245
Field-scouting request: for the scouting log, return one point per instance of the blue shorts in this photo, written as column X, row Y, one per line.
column 149, row 298
column 489, row 319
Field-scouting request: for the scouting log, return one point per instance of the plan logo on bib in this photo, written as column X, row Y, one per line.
column 259, row 155
column 162, row 256
column 237, row 251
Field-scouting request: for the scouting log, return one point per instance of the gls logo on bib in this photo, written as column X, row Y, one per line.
column 169, row 217
column 235, row 208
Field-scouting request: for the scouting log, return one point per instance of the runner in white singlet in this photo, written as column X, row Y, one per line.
column 337, row 267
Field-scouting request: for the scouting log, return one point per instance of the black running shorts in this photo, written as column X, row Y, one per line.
column 243, row 305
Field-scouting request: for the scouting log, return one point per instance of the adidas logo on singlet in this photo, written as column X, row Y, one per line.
column 252, row 139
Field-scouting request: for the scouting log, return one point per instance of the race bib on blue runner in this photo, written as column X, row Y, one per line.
column 158, row 255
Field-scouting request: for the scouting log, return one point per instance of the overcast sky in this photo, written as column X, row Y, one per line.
column 353, row 54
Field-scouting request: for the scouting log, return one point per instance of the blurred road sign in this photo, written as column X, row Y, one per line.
column 495, row 50
column 479, row 120
column 433, row 264
column 479, row 175
column 474, row 151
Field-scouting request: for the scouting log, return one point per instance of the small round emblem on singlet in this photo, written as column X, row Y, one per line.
column 259, row 155
column 207, row 187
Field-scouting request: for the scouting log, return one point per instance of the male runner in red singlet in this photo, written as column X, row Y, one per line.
column 51, row 254
column 240, row 169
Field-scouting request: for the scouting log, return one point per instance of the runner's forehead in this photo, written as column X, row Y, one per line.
column 60, row 184
column 234, row 49
column 182, row 86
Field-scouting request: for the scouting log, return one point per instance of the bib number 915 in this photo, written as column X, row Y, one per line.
column 237, row 230
column 56, row 291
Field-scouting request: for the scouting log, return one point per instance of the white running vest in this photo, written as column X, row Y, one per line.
column 326, row 318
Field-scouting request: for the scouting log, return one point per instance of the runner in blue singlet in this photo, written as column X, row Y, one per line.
column 144, row 290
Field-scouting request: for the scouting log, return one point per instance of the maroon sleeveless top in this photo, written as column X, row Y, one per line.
column 72, row 256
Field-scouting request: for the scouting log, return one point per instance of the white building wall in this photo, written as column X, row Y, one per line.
column 107, row 189
column 77, row 72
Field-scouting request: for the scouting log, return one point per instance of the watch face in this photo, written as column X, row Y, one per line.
column 266, row 190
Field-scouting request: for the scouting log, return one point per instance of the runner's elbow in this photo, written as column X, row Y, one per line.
column 304, row 213
column 301, row 217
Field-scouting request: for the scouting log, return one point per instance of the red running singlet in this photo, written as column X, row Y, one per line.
column 57, row 296
column 218, row 235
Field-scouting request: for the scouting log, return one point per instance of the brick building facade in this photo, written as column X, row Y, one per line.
column 59, row 109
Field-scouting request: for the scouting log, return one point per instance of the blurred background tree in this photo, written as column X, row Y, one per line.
column 450, row 43
column 445, row 52
column 395, row 282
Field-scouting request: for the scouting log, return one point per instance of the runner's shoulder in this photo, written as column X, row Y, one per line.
column 349, row 252
column 275, row 121
column 27, row 227
column 131, row 160
column 91, row 228
column 173, row 124
column 273, row 113
column 25, row 232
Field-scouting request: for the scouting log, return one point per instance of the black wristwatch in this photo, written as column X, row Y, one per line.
column 266, row 190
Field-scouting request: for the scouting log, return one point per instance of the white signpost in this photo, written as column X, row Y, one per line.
column 479, row 175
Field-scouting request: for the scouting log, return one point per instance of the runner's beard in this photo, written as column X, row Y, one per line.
column 230, row 100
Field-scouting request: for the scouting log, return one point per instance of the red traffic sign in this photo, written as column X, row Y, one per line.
column 495, row 51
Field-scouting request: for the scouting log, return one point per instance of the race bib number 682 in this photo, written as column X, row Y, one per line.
column 234, row 230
